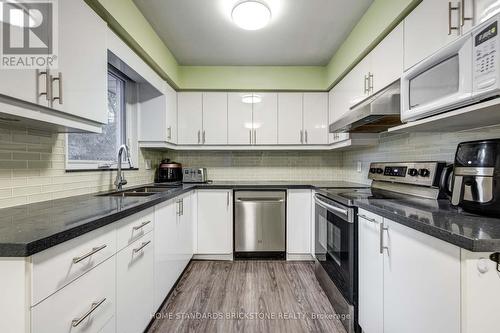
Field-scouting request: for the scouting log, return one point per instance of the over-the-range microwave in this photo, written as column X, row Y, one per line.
column 464, row 72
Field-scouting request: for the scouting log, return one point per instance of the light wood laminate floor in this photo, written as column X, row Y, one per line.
column 247, row 296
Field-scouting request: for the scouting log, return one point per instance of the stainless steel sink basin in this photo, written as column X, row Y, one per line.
column 138, row 192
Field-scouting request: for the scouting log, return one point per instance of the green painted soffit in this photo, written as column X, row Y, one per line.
column 125, row 19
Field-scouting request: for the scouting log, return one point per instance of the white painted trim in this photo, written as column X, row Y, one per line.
column 299, row 257
column 213, row 257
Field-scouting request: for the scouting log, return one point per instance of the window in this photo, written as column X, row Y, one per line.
column 99, row 151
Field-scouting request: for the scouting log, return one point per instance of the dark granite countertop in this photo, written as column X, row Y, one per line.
column 28, row 229
column 440, row 219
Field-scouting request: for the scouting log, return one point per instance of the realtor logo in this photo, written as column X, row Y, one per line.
column 28, row 34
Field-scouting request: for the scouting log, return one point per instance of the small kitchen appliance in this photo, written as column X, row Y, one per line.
column 169, row 172
column 194, row 175
column 476, row 180
column 464, row 72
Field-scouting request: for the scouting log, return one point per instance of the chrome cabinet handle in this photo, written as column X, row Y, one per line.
column 301, row 136
column 178, row 209
column 382, row 247
column 227, row 200
column 366, row 85
column 182, row 207
column 452, row 8
column 47, row 92
column 463, row 17
column 93, row 307
column 255, row 136
column 199, row 137
column 203, row 137
column 142, row 225
column 143, row 245
column 250, row 132
column 305, row 136
column 367, row 218
column 76, row 260
column 370, row 83
column 59, row 80
column 169, row 135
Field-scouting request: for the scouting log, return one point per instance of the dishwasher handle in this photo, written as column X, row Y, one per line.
column 260, row 200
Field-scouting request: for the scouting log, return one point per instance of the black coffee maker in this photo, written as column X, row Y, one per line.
column 476, row 177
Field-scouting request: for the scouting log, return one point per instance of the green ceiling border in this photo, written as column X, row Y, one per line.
column 369, row 31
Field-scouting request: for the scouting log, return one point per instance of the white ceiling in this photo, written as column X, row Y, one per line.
column 301, row 32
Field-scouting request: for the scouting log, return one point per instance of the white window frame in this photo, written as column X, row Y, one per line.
column 131, row 117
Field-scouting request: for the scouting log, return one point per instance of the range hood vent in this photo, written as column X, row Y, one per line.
column 375, row 114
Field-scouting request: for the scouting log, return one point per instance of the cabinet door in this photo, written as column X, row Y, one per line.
column 83, row 63
column 426, row 30
column 134, row 285
column 189, row 117
column 215, row 234
column 387, row 59
column 171, row 114
column 290, row 129
column 214, row 118
column 337, row 107
column 166, row 245
column 185, row 230
column 265, row 119
column 425, row 272
column 11, row 81
column 315, row 118
column 240, row 122
column 371, row 275
column 298, row 222
column 355, row 85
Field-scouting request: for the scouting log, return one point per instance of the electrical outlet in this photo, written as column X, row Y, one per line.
column 359, row 167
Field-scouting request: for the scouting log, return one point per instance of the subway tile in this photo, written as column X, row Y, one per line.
column 26, row 156
column 28, row 190
column 9, row 202
column 13, row 164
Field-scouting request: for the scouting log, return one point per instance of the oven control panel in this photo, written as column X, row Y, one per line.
column 416, row 173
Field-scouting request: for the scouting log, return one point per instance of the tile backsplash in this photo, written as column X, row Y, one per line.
column 32, row 169
column 410, row 147
column 263, row 165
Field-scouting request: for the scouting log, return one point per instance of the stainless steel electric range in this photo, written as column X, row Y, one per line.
column 336, row 226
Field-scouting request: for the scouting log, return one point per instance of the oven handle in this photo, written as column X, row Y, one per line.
column 330, row 207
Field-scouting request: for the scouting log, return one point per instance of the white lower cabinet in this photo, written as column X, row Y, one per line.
column 135, row 285
column 371, row 273
column 215, row 222
column 86, row 305
column 416, row 276
column 172, row 245
column 298, row 222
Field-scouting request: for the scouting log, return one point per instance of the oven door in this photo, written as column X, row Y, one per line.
column 335, row 244
column 439, row 83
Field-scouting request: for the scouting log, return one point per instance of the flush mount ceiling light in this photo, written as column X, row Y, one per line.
column 251, row 99
column 251, row 15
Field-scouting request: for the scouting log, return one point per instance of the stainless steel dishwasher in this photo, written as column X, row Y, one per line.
column 259, row 224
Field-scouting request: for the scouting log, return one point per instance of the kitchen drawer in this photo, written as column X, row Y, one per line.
column 370, row 216
column 56, row 267
column 95, row 291
column 134, row 285
column 134, row 227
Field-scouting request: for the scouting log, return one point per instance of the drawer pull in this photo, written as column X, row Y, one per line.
column 367, row 218
column 94, row 306
column 142, row 246
column 142, row 225
column 76, row 260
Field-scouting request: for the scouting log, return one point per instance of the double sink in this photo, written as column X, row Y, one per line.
column 144, row 191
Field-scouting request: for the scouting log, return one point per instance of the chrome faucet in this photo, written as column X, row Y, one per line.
column 120, row 177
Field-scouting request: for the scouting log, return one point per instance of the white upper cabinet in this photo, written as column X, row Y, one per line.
column 429, row 27
column 171, row 115
column 190, row 115
column 265, row 119
column 387, row 60
column 79, row 86
column 315, row 118
column 357, row 84
column 290, row 129
column 240, row 122
column 214, row 118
